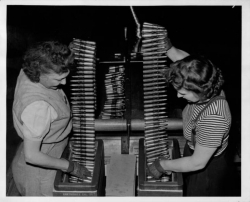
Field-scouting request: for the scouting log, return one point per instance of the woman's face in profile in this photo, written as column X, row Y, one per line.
column 53, row 80
column 188, row 95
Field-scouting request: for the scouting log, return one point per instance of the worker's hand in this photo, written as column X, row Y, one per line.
column 167, row 43
column 78, row 170
column 72, row 46
column 162, row 158
column 155, row 169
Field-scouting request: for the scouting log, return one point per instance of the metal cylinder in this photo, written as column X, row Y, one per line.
column 136, row 124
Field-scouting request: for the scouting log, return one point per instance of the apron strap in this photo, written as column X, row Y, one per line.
column 193, row 132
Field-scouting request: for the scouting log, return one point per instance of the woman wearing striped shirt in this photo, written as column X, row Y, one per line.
column 206, row 125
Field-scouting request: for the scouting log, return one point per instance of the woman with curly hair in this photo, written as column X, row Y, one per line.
column 42, row 118
column 206, row 125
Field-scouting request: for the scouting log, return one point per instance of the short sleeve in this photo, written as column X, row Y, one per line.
column 37, row 118
column 211, row 131
column 214, row 125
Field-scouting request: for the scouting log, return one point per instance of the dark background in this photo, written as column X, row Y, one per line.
column 214, row 31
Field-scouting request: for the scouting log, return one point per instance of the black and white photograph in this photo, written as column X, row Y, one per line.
column 130, row 99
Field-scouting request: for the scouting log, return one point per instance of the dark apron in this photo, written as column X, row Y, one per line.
column 213, row 180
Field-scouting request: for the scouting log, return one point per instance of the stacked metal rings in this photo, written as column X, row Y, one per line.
column 83, row 102
column 114, row 106
column 155, row 92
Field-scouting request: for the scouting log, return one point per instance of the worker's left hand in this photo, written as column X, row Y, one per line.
column 155, row 169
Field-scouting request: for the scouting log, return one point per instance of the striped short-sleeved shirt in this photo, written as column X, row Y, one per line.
column 212, row 127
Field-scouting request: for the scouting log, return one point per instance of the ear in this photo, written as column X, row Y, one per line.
column 43, row 77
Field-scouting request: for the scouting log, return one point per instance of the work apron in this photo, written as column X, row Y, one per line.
column 32, row 180
column 213, row 180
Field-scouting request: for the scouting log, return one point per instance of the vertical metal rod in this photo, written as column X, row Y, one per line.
column 125, row 139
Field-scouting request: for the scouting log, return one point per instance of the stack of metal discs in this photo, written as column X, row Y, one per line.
column 155, row 93
column 114, row 106
column 83, row 102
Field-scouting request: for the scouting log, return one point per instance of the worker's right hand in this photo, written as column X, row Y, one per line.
column 155, row 169
column 78, row 170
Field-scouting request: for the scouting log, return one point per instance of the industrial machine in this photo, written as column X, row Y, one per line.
column 120, row 106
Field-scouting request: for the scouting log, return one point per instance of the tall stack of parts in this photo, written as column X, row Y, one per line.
column 155, row 93
column 114, row 106
column 83, row 106
column 83, row 146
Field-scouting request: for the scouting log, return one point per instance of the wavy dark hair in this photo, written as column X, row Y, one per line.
column 197, row 74
column 46, row 57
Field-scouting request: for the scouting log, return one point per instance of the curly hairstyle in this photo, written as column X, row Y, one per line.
column 46, row 57
column 197, row 74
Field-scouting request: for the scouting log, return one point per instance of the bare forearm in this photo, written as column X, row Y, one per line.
column 44, row 160
column 175, row 54
column 185, row 164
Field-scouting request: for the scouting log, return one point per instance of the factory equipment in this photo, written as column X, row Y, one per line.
column 123, row 96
